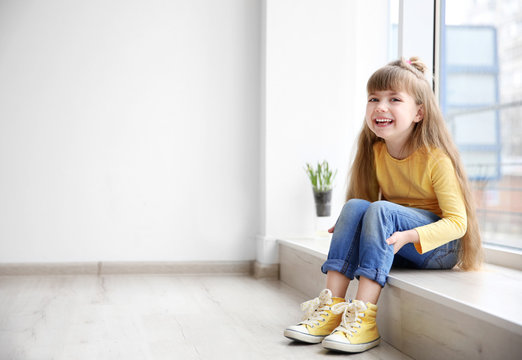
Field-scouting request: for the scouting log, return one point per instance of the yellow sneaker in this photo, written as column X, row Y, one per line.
column 318, row 321
column 358, row 330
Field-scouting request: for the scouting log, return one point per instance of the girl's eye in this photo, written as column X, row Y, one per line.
column 373, row 100
column 395, row 99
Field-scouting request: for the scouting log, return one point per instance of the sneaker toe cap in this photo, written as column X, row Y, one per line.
column 297, row 328
column 300, row 332
column 337, row 337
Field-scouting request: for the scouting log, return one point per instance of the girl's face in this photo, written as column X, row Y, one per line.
column 391, row 115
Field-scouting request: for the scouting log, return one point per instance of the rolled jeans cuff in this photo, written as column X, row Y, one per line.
column 340, row 266
column 376, row 275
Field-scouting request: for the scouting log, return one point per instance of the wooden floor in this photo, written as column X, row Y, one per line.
column 153, row 317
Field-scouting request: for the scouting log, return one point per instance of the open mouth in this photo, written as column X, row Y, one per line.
column 382, row 122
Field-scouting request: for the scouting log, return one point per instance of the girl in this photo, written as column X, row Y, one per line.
column 408, row 204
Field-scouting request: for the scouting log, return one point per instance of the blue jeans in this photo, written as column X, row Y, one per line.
column 359, row 247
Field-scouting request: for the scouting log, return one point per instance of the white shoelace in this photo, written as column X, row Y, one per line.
column 316, row 307
column 351, row 318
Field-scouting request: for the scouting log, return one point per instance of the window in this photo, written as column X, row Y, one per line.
column 481, row 97
column 476, row 49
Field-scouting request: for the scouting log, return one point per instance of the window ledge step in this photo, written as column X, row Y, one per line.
column 493, row 294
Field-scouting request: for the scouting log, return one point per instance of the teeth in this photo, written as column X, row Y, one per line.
column 383, row 120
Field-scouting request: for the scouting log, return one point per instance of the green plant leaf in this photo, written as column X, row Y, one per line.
column 321, row 176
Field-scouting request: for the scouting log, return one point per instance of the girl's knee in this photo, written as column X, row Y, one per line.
column 377, row 215
column 356, row 205
column 353, row 210
column 378, row 207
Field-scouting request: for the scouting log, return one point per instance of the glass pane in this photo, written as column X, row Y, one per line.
column 481, row 96
column 484, row 129
column 481, row 40
column 471, row 89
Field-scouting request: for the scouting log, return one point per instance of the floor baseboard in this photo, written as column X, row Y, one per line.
column 107, row 267
column 266, row 271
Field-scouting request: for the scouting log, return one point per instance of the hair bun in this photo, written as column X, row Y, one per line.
column 417, row 64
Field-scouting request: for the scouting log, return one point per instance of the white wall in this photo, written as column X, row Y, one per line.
column 129, row 130
column 308, row 62
column 318, row 56
column 134, row 130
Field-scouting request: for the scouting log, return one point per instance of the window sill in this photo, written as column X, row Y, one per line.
column 502, row 256
column 475, row 293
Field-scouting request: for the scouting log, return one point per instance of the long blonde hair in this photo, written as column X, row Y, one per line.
column 430, row 133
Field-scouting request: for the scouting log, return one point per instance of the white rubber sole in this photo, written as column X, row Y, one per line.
column 299, row 336
column 350, row 348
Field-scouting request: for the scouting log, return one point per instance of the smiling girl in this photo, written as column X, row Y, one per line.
column 408, row 205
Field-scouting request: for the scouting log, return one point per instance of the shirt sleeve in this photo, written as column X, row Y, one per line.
column 453, row 223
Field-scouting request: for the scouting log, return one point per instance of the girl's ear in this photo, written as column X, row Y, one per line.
column 420, row 113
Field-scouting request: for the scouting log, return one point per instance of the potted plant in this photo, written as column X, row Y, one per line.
column 321, row 178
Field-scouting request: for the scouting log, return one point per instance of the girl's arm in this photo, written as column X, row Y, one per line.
column 453, row 223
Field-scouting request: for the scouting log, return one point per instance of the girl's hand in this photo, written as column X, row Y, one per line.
column 401, row 238
column 331, row 230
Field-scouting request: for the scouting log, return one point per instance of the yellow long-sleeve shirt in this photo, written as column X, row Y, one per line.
column 425, row 181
